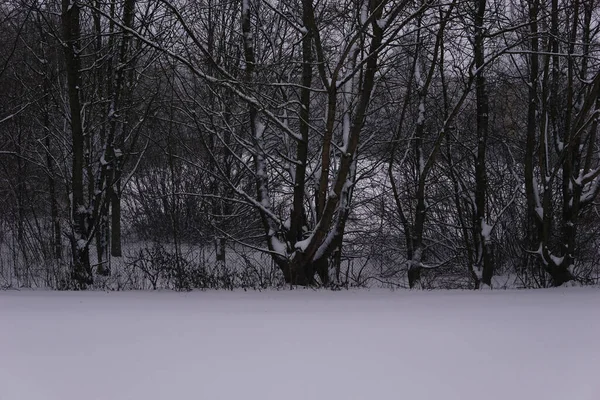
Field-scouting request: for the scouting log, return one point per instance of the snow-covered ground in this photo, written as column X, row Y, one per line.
column 303, row 344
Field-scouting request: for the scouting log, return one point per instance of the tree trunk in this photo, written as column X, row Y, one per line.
column 482, row 231
column 533, row 217
column 81, row 270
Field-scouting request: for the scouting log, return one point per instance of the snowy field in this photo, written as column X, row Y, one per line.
column 304, row 344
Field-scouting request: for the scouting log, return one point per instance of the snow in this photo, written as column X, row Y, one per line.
column 300, row 344
column 421, row 118
column 486, row 231
column 317, row 175
column 591, row 193
column 540, row 212
column 587, row 177
column 81, row 244
column 303, row 244
column 556, row 260
column 364, row 13
column 345, row 132
column 536, row 195
column 348, row 91
column 326, row 243
column 478, row 271
column 259, row 128
column 81, row 209
column 278, row 245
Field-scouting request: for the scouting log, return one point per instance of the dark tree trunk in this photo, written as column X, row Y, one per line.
column 81, row 269
column 533, row 219
column 482, row 234
column 115, row 214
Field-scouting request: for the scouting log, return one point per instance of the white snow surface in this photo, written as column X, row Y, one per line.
column 300, row 344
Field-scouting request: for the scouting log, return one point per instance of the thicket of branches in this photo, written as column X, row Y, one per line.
column 209, row 143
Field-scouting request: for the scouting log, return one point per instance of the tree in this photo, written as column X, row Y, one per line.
column 71, row 32
column 562, row 123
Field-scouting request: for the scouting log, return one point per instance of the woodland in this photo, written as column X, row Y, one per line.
column 224, row 144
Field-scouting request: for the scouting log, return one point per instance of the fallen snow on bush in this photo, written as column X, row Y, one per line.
column 300, row 344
